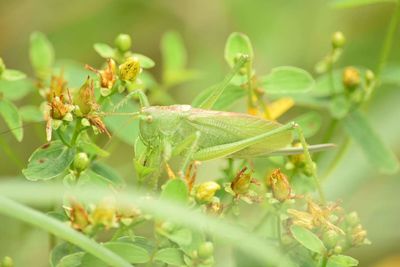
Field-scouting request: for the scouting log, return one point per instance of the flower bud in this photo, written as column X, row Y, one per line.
column 123, row 42
column 206, row 191
column 369, row 76
column 338, row 250
column 279, row 183
column 85, row 122
column 330, row 238
column 130, row 69
column 68, row 117
column 85, row 98
column 58, row 109
column 352, row 218
column 206, row 250
column 338, row 40
column 351, row 78
column 2, row 66
column 81, row 162
column 358, row 236
column 7, row 262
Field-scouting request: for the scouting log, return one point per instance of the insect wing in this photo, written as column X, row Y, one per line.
column 218, row 128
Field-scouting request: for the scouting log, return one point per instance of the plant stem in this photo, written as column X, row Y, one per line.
column 250, row 102
column 311, row 165
column 61, row 136
column 76, row 132
column 387, row 44
column 324, row 260
column 18, row 211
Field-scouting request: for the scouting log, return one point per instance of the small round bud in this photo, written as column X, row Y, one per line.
column 55, row 124
column 352, row 218
column 206, row 191
column 351, row 77
column 330, row 238
column 68, row 117
column 85, row 122
column 369, row 76
column 338, row 40
column 338, row 250
column 167, row 227
column 206, row 250
column 123, row 42
column 81, row 161
column 7, row 262
column 2, row 66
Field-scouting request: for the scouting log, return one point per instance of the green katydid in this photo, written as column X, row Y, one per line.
column 202, row 134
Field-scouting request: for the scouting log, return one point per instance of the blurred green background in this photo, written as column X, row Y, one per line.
column 291, row 32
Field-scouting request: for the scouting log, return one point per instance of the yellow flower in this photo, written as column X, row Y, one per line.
column 206, row 191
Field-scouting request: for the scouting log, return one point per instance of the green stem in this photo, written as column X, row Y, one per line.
column 250, row 93
column 387, row 44
column 61, row 137
column 20, row 212
column 279, row 227
column 324, row 260
column 311, row 165
column 76, row 132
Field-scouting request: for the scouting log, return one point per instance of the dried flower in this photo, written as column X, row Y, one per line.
column 108, row 75
column 279, row 183
column 85, row 98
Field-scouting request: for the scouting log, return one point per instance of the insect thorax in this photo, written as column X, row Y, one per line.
column 160, row 122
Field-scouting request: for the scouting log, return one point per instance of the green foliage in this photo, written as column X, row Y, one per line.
column 378, row 153
column 49, row 161
column 11, row 116
column 308, row 239
column 287, row 80
column 356, row 3
column 41, row 54
column 124, row 99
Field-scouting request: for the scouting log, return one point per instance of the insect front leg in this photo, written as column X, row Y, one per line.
column 189, row 144
column 144, row 102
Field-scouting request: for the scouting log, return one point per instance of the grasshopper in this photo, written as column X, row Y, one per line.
column 201, row 134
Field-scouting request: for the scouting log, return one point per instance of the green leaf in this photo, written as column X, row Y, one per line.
column 171, row 256
column 41, row 54
column 72, row 260
column 341, row 261
column 129, row 252
column 31, row 114
column 15, row 90
column 49, row 161
column 377, row 152
column 356, row 3
column 231, row 94
column 307, row 238
column 286, row 80
column 175, row 190
column 10, row 114
column 145, row 62
column 391, row 74
column 173, row 52
column 237, row 44
column 180, row 236
column 339, row 106
column 310, row 123
column 109, row 173
column 60, row 251
column 104, row 50
column 13, row 75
